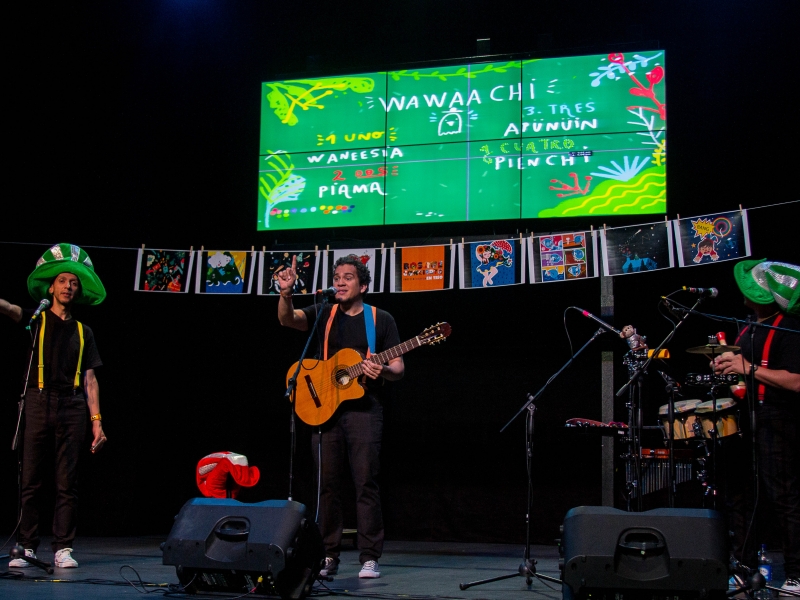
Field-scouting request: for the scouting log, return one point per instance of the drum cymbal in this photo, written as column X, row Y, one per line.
column 712, row 349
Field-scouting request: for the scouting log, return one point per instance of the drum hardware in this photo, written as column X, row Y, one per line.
column 709, row 379
column 655, row 469
column 712, row 349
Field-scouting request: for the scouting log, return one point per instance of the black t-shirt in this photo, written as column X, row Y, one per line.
column 351, row 332
column 784, row 354
column 61, row 349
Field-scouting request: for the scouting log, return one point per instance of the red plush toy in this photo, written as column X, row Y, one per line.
column 223, row 474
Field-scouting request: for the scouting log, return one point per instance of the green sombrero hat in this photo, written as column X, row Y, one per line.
column 764, row 282
column 66, row 258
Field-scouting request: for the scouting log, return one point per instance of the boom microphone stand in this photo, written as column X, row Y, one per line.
column 528, row 567
column 18, row 551
column 290, row 394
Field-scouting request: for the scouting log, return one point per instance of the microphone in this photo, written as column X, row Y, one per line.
column 42, row 305
column 708, row 292
column 589, row 315
column 329, row 293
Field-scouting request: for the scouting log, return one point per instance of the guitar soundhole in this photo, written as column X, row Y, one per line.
column 342, row 378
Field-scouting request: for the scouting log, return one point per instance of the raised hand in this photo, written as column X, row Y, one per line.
column 287, row 278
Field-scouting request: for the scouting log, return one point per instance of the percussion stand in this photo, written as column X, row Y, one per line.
column 635, row 428
column 634, row 439
column 672, row 389
column 528, row 567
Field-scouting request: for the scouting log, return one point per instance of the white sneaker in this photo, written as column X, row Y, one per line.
column 19, row 563
column 64, row 559
column 791, row 585
column 369, row 570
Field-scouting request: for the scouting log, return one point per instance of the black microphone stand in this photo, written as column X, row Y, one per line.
column 290, row 395
column 18, row 551
column 528, row 567
column 635, row 433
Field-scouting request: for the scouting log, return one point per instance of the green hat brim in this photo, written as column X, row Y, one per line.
column 92, row 291
column 749, row 287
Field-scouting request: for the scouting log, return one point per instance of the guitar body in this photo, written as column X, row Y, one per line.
column 322, row 385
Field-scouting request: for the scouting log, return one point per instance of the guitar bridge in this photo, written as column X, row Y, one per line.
column 312, row 391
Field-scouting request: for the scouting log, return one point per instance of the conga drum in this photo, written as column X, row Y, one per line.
column 684, row 418
column 727, row 417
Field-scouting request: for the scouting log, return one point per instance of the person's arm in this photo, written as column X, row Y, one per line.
column 392, row 371
column 12, row 311
column 287, row 314
column 93, row 401
column 728, row 362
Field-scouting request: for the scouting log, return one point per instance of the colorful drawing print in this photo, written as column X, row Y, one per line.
column 566, row 249
column 422, row 268
column 552, row 259
column 551, row 243
column 574, row 240
column 492, row 263
column 275, row 262
column 225, row 272
column 575, row 271
column 708, row 239
column 164, row 270
column 637, row 248
column 368, row 257
column 575, row 257
column 553, row 274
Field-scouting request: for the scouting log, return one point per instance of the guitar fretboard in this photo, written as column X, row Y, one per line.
column 387, row 355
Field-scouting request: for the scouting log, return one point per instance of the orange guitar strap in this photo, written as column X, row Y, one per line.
column 765, row 355
column 330, row 323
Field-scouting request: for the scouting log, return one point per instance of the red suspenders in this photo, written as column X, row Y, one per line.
column 764, row 356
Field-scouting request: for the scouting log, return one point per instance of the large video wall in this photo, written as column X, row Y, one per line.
column 556, row 137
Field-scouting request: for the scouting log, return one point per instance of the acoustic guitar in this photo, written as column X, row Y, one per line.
column 322, row 385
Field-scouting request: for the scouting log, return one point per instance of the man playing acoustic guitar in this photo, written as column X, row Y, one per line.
column 354, row 431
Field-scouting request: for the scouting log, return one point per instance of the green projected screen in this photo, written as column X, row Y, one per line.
column 556, row 137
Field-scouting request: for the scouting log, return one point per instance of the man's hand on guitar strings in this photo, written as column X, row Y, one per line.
column 371, row 369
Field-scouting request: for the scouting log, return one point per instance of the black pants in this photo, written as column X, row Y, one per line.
column 355, row 435
column 55, row 428
column 778, row 443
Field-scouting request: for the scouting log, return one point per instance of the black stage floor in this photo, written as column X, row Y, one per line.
column 409, row 570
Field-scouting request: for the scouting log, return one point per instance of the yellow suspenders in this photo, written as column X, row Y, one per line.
column 77, row 382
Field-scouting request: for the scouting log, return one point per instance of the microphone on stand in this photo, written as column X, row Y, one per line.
column 42, row 305
column 329, row 293
column 707, row 292
column 589, row 315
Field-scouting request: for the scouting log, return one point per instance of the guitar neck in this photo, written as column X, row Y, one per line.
column 386, row 355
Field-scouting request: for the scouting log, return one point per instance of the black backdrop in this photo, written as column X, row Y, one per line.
column 137, row 122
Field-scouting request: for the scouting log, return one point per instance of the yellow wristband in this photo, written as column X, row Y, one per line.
column 97, row 417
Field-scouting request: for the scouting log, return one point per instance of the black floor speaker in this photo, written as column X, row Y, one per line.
column 227, row 547
column 613, row 554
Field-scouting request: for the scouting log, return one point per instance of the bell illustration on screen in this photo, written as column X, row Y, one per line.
column 451, row 122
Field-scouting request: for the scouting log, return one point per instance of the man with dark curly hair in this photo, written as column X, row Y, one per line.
column 353, row 434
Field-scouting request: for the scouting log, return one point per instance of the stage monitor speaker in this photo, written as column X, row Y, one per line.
column 677, row 552
column 225, row 546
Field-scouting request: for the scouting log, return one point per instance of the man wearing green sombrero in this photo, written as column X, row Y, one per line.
column 771, row 363
column 62, row 396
